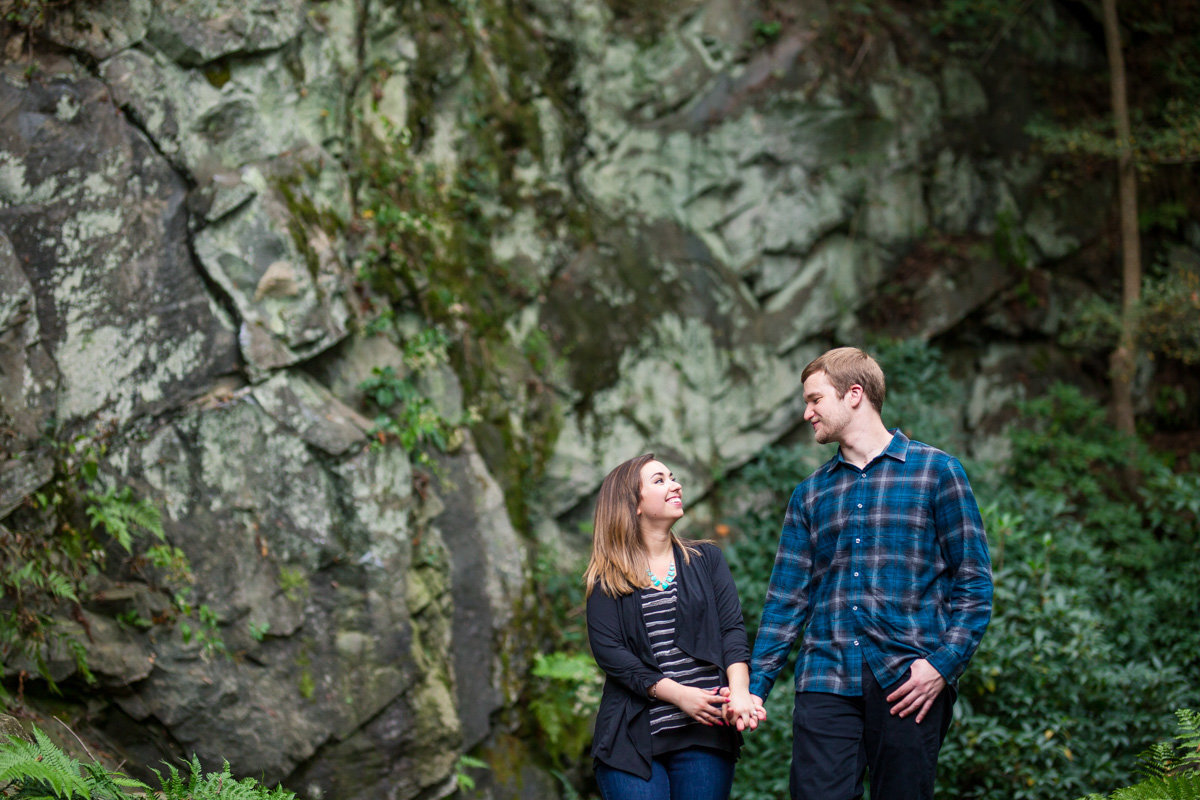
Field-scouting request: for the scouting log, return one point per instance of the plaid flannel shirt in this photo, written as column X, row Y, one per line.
column 880, row 566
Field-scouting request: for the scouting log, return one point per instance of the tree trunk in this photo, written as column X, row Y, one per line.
column 1124, row 359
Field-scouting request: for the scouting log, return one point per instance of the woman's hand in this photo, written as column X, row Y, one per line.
column 706, row 706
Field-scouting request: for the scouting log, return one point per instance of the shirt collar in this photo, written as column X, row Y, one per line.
column 897, row 448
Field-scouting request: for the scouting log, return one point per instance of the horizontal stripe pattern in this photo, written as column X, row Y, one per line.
column 658, row 612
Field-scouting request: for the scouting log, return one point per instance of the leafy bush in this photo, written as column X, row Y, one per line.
column 1093, row 638
column 565, row 701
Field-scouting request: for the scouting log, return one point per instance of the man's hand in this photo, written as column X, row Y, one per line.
column 917, row 694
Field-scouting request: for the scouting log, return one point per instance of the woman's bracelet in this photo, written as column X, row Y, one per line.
column 653, row 691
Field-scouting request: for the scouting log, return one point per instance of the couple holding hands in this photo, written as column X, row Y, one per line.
column 882, row 573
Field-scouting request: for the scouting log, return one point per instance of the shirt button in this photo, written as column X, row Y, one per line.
column 858, row 541
column 854, row 608
column 860, row 505
column 856, row 642
column 856, row 574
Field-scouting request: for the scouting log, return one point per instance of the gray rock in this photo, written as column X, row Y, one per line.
column 281, row 269
column 116, row 657
column 21, row 477
column 489, row 586
column 195, row 32
column 28, row 376
column 97, row 220
column 99, row 28
column 964, row 94
column 308, row 409
column 328, row 562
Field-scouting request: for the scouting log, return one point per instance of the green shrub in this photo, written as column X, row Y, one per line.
column 566, row 696
column 1093, row 637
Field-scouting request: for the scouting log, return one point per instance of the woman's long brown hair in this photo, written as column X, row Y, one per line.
column 618, row 562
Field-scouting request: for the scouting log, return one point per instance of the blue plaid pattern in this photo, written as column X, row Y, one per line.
column 884, row 566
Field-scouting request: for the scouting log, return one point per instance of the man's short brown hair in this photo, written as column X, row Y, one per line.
column 849, row 366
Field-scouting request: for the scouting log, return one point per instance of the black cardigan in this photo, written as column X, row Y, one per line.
column 708, row 627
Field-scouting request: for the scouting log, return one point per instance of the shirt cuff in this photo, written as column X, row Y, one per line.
column 760, row 687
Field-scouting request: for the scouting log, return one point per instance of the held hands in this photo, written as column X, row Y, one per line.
column 744, row 710
column 917, row 694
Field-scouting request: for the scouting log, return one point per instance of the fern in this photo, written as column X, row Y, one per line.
column 1171, row 769
column 1188, row 737
column 122, row 516
column 214, row 786
column 1182, row 786
column 39, row 769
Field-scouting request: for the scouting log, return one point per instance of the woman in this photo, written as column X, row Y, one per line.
column 665, row 625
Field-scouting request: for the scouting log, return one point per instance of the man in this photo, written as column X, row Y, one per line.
column 884, row 575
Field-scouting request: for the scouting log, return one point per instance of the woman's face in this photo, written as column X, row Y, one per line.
column 661, row 496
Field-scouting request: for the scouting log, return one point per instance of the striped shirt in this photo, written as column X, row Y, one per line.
column 877, row 566
column 658, row 611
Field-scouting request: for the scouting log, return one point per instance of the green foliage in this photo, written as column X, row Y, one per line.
column 975, row 18
column 42, row 569
column 463, row 778
column 564, row 692
column 198, row 785
column 922, row 399
column 767, row 31
column 975, row 26
column 1172, row 139
column 64, row 533
column 40, row 770
column 1171, row 769
column 207, row 633
column 30, row 15
column 565, row 698
column 292, row 582
column 118, row 513
column 407, row 415
column 1091, row 640
column 1166, row 216
column 1166, row 317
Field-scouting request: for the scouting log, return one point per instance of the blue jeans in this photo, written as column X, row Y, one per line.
column 696, row 773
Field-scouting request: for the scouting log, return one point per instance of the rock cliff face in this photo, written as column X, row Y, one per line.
column 643, row 223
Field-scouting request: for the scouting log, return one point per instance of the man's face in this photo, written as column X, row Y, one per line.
column 825, row 409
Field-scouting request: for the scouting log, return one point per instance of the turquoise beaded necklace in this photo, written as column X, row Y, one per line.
column 662, row 584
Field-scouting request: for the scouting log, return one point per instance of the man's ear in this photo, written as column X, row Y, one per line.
column 855, row 395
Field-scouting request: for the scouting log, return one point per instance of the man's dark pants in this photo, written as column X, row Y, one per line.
column 835, row 739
